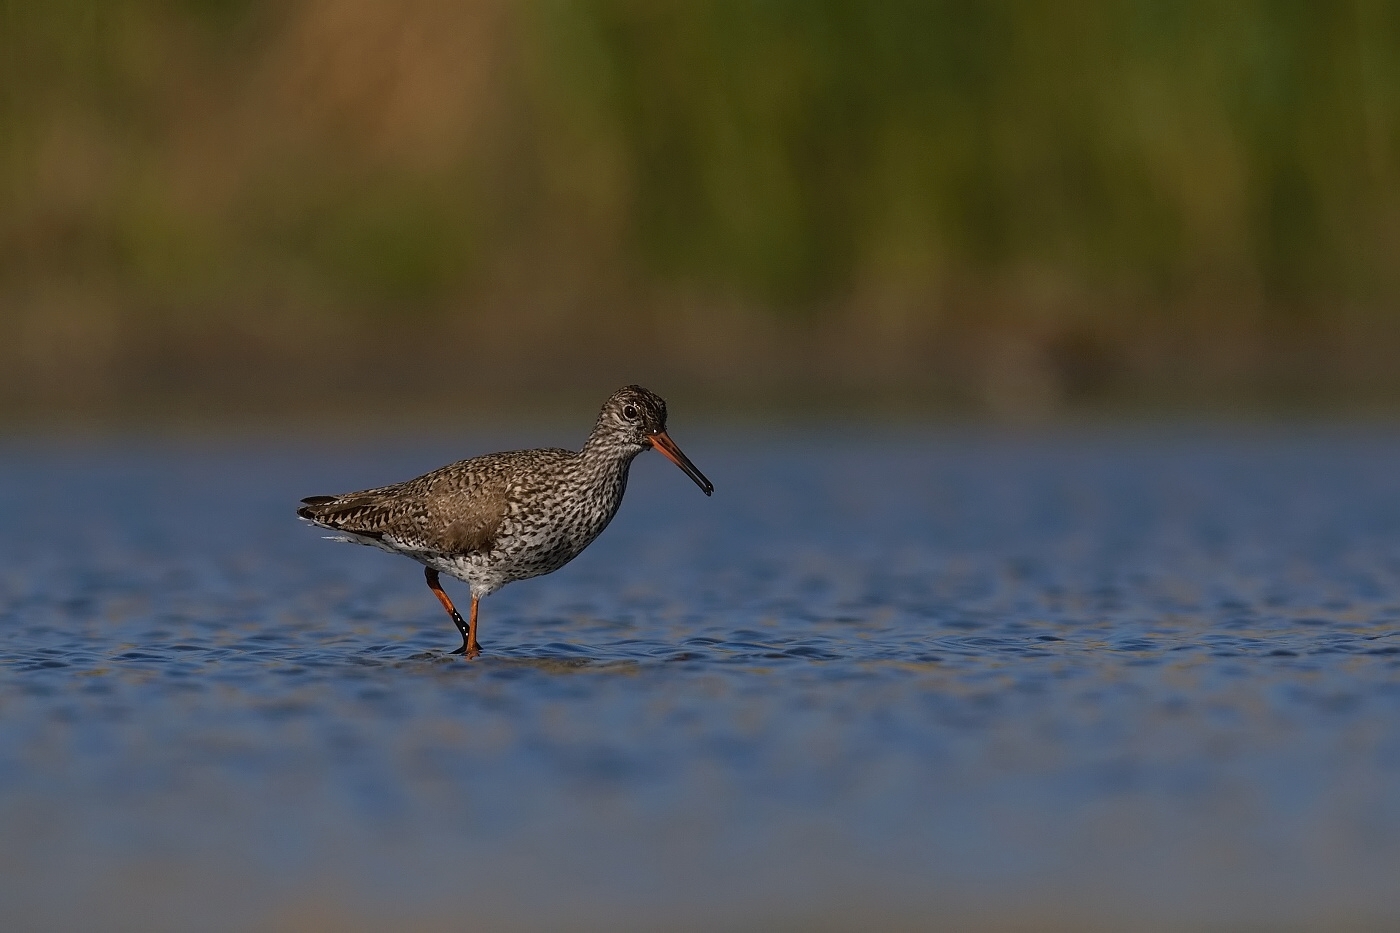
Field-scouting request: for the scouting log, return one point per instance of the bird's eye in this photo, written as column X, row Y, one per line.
column 630, row 412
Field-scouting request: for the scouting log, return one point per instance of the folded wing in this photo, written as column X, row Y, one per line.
column 441, row 513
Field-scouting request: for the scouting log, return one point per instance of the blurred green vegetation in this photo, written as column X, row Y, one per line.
column 1011, row 202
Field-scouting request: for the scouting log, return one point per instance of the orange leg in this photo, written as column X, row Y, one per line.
column 470, row 648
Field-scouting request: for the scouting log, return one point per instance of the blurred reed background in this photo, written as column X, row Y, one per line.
column 244, row 206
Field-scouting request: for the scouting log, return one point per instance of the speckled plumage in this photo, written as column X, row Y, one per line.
column 492, row 520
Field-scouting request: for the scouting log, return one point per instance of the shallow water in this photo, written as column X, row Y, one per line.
column 1075, row 679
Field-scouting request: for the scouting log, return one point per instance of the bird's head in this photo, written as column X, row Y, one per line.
column 634, row 419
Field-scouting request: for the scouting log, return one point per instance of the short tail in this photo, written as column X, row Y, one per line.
column 350, row 514
column 309, row 510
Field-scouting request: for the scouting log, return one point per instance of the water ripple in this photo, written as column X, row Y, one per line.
column 896, row 675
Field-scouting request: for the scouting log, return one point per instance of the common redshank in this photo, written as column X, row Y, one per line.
column 492, row 520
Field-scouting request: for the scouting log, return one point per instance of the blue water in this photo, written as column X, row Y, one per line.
column 1087, row 678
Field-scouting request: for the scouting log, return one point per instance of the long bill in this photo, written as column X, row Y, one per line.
column 668, row 447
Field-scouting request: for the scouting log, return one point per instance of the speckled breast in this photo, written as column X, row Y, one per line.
column 544, row 528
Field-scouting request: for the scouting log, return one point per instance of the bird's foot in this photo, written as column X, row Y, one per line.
column 473, row 652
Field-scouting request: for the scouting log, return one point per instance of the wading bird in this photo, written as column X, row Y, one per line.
column 492, row 520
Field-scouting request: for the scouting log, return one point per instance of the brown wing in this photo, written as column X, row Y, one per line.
column 474, row 527
column 449, row 511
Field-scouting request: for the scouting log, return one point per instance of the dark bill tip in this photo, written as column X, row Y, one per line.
column 668, row 448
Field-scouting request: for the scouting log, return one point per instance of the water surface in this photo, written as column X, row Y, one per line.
column 1075, row 679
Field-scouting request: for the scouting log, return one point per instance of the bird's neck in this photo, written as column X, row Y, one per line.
column 602, row 459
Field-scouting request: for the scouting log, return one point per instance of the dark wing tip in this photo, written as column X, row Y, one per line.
column 308, row 506
column 309, row 503
column 314, row 510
